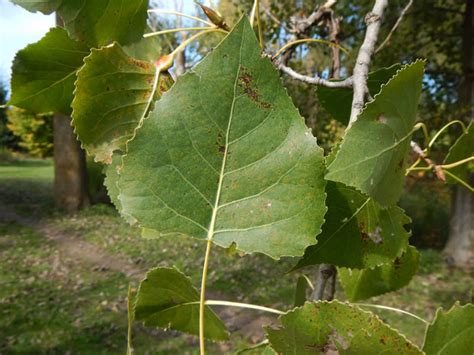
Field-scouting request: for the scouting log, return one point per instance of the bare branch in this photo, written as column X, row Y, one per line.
column 315, row 80
column 302, row 26
column 364, row 57
column 400, row 18
column 325, row 273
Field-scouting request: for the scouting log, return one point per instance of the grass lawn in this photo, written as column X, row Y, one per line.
column 51, row 303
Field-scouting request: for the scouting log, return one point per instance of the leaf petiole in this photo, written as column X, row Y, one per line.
column 177, row 13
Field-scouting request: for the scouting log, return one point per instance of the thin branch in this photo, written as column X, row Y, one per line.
column 400, row 18
column 315, row 80
column 302, row 26
column 177, row 13
column 364, row 57
column 325, row 272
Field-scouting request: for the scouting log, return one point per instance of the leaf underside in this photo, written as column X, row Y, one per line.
column 452, row 332
column 335, row 327
column 225, row 155
column 94, row 22
column 111, row 98
column 373, row 152
column 163, row 301
column 366, row 283
column 357, row 233
column 44, row 72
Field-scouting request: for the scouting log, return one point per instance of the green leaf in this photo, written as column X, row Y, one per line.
column 94, row 22
column 111, row 178
column 226, row 156
column 451, row 332
column 113, row 94
column 338, row 101
column 358, row 232
column 167, row 299
column 44, row 6
column 366, row 283
column 261, row 349
column 300, row 291
column 334, row 326
column 463, row 148
column 148, row 48
column 372, row 154
column 44, row 72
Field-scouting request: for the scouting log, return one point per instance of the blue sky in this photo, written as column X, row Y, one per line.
column 19, row 27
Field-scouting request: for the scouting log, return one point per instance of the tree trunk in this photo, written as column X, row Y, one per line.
column 460, row 247
column 70, row 174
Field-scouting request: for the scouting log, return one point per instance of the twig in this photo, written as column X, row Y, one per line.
column 400, row 18
column 333, row 24
column 302, row 26
column 316, row 80
column 364, row 57
column 325, row 272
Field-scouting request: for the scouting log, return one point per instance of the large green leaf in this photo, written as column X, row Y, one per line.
column 44, row 72
column 45, row 6
column 338, row 101
column 226, row 156
column 365, row 283
column 113, row 94
column 336, row 327
column 111, row 179
column 97, row 22
column 463, row 148
column 167, row 299
column 451, row 332
column 373, row 152
column 357, row 233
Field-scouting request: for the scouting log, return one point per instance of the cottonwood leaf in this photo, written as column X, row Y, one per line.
column 111, row 179
column 44, row 72
column 147, row 48
column 373, row 151
column 45, row 6
column 366, row 283
column 94, row 22
column 167, row 299
column 338, row 101
column 463, row 148
column 358, row 233
column 336, row 327
column 225, row 156
column 452, row 332
column 262, row 349
column 114, row 92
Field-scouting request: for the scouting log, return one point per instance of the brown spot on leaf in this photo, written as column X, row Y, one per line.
column 245, row 81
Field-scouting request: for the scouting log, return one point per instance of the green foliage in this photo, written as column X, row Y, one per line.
column 34, row 131
column 44, row 73
column 203, row 158
column 113, row 95
column 452, row 331
column 333, row 326
column 463, row 148
column 167, row 299
column 338, row 101
column 366, row 283
column 358, row 232
column 97, row 23
column 373, row 153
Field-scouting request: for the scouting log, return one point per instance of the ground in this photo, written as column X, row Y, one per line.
column 64, row 279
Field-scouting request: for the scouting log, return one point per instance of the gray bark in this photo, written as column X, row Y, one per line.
column 459, row 250
column 70, row 173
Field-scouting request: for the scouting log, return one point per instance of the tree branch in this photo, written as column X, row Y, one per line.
column 400, row 18
column 325, row 272
column 364, row 57
column 315, row 80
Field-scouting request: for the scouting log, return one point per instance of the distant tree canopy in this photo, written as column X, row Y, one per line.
column 34, row 131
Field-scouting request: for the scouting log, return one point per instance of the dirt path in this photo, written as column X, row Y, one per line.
column 74, row 249
column 248, row 323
